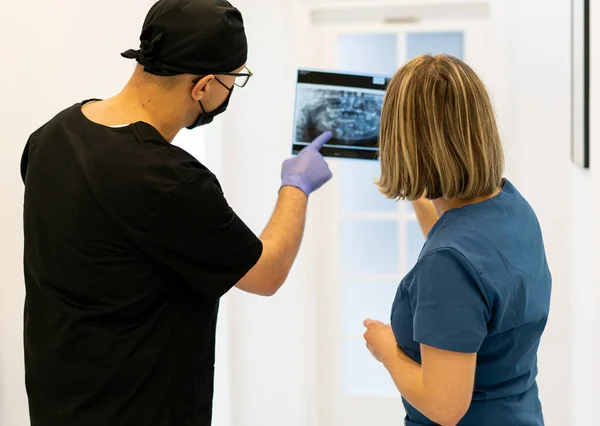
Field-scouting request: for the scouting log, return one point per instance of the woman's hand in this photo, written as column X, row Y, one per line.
column 380, row 340
column 441, row 389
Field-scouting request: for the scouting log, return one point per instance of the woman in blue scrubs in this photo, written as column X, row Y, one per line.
column 467, row 319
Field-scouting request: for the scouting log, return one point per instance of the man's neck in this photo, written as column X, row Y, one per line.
column 131, row 106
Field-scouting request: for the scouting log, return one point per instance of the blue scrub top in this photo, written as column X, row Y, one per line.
column 482, row 285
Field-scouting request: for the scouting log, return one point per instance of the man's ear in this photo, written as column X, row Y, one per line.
column 199, row 90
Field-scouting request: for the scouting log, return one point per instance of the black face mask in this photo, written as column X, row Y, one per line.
column 208, row 117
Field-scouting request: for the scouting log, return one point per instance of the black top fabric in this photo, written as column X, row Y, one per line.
column 129, row 244
column 191, row 37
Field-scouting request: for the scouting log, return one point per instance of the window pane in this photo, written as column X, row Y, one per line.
column 359, row 192
column 371, row 54
column 368, row 53
column 414, row 243
column 363, row 374
column 369, row 247
column 362, row 300
column 418, row 44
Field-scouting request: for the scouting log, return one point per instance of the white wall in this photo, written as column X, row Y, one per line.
column 533, row 47
column 585, row 275
column 534, row 39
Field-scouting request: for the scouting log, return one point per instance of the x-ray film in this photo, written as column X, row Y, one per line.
column 348, row 105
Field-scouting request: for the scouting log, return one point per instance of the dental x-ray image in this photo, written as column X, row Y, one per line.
column 347, row 105
column 353, row 117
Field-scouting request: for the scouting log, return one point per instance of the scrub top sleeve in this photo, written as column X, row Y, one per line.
column 450, row 310
column 24, row 162
column 31, row 142
column 199, row 237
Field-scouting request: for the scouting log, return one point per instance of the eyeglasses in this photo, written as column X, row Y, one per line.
column 241, row 78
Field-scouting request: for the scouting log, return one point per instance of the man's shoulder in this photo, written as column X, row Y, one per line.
column 58, row 119
column 130, row 169
column 144, row 171
column 158, row 164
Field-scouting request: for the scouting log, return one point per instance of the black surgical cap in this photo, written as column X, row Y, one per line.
column 191, row 37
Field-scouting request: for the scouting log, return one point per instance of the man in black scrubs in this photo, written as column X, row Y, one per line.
column 129, row 241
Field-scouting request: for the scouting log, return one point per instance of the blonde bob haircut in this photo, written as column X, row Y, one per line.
column 439, row 135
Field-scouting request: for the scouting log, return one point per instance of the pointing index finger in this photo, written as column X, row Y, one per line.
column 321, row 140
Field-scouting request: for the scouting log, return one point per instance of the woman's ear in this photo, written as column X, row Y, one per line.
column 201, row 87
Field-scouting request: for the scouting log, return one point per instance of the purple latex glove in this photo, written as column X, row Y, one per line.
column 308, row 171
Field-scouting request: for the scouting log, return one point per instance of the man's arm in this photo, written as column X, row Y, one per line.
column 281, row 242
column 281, row 239
column 426, row 214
